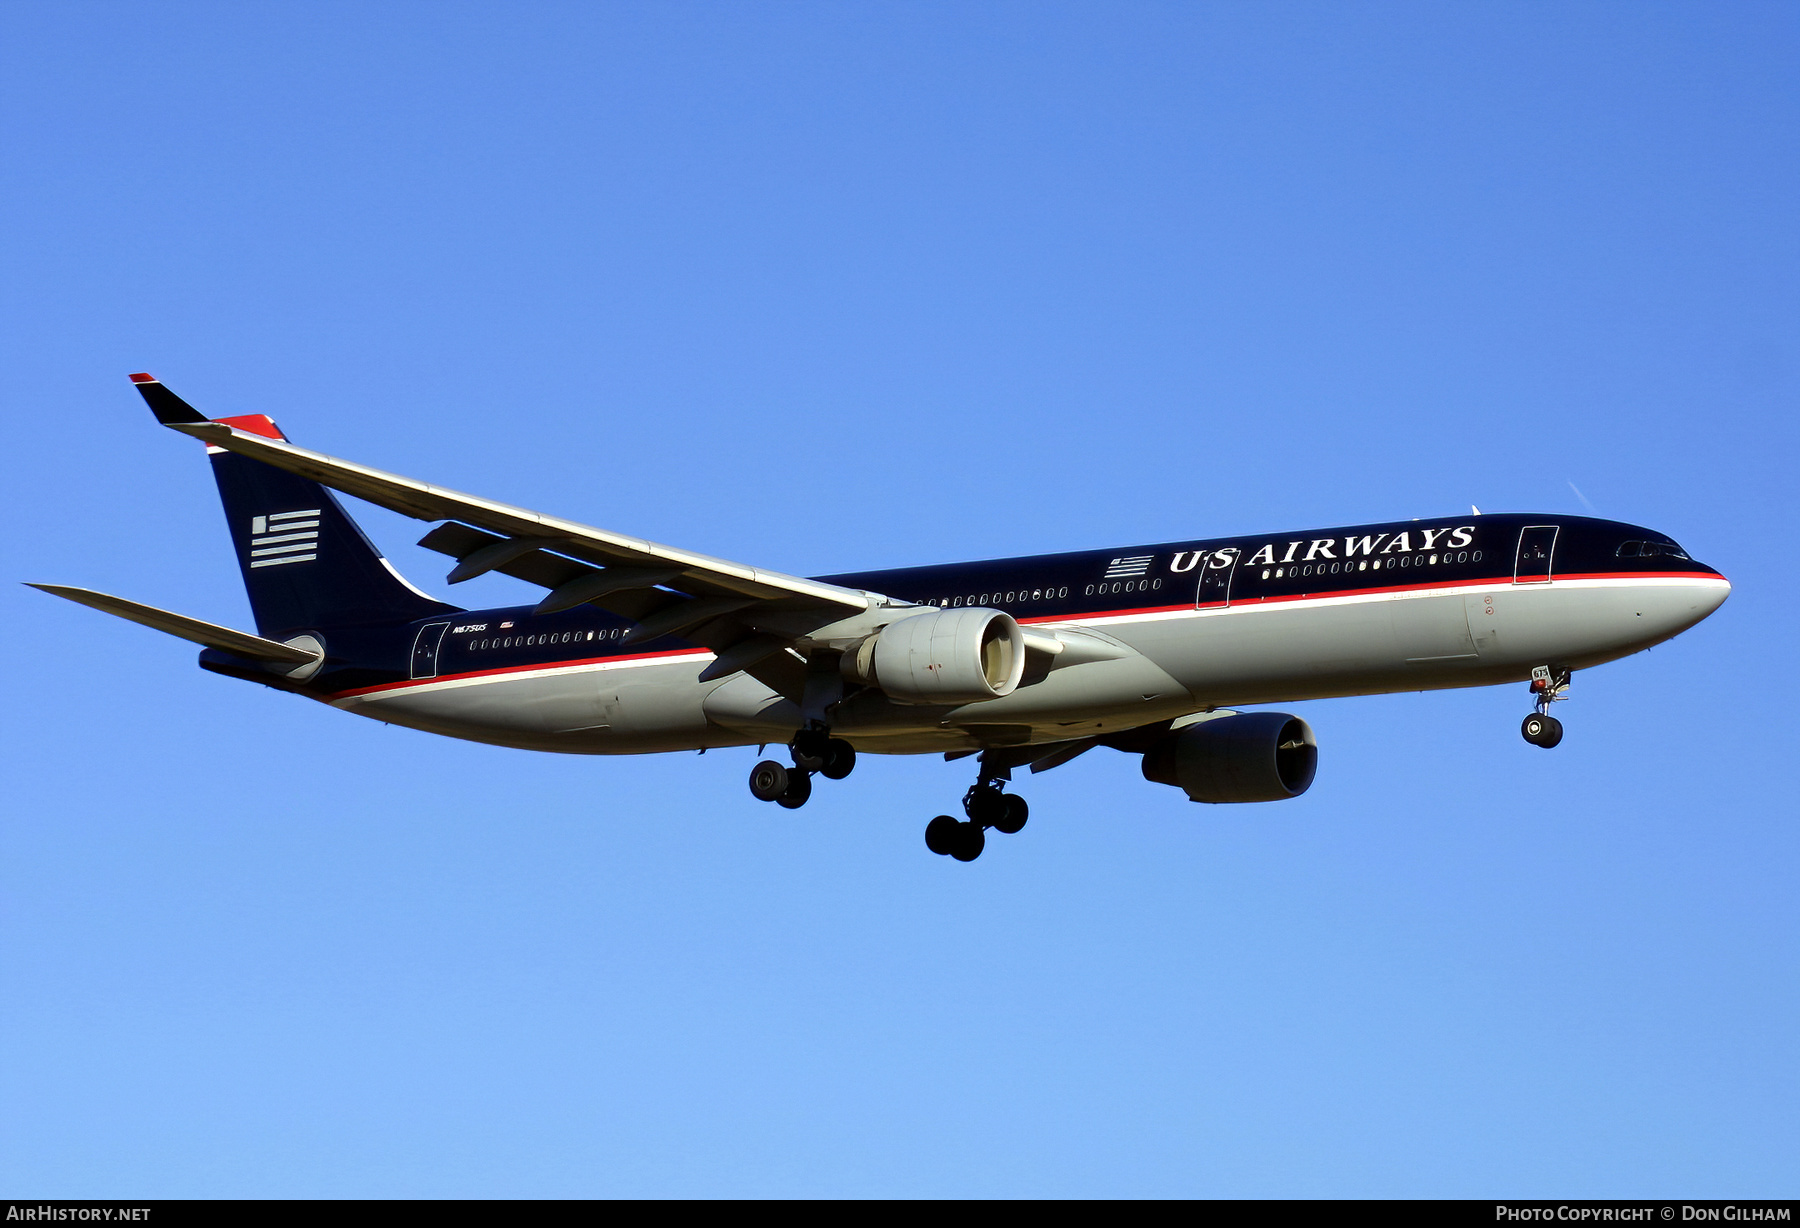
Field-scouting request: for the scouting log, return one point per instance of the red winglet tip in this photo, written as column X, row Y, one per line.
column 143, row 377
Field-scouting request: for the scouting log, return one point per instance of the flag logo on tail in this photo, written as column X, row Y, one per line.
column 284, row 537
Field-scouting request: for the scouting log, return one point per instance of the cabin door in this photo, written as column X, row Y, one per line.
column 1537, row 548
column 1216, row 574
column 425, row 649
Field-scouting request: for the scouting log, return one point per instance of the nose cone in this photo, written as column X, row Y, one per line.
column 1671, row 608
column 1721, row 589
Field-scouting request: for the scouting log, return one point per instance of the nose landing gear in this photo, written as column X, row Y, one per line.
column 1548, row 686
column 814, row 750
column 987, row 805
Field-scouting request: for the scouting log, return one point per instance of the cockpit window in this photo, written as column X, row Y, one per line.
column 1651, row 550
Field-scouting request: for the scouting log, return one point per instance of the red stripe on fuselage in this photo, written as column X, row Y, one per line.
column 1183, row 608
column 1334, row 594
column 517, row 669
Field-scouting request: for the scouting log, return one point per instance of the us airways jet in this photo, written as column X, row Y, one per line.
column 637, row 647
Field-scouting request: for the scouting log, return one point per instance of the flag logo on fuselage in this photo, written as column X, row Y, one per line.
column 284, row 537
column 1121, row 569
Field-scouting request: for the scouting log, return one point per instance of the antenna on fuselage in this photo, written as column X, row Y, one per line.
column 1474, row 509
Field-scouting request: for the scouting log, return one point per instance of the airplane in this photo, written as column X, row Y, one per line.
column 1151, row 650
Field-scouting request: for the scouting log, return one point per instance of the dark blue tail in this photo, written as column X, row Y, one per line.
column 306, row 564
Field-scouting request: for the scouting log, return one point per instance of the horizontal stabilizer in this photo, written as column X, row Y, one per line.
column 237, row 643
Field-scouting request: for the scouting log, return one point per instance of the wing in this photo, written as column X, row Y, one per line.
column 746, row 615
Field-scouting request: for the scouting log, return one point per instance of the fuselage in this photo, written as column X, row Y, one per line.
column 1166, row 630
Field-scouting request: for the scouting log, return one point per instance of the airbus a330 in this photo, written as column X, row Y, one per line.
column 1027, row 662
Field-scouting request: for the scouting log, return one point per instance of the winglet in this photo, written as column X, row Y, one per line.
column 168, row 408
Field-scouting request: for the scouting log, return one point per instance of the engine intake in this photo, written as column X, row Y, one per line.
column 947, row 657
column 1245, row 757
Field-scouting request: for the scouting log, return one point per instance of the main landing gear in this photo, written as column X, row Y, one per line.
column 987, row 805
column 814, row 750
column 1547, row 686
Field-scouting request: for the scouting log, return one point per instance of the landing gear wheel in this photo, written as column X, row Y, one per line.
column 1012, row 821
column 839, row 759
column 985, row 805
column 768, row 781
column 1541, row 730
column 940, row 834
column 970, row 840
column 799, row 788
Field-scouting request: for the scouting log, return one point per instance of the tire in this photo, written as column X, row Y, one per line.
column 1012, row 820
column 970, row 840
column 940, row 834
column 768, row 781
column 985, row 805
column 1541, row 730
column 799, row 788
column 840, row 759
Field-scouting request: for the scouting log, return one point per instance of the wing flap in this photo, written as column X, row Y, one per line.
column 551, row 571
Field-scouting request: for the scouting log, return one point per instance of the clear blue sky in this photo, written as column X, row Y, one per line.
column 824, row 287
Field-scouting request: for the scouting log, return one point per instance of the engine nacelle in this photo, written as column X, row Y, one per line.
column 947, row 657
column 1245, row 757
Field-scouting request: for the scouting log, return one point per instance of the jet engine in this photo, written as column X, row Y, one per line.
column 1243, row 757
column 945, row 657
